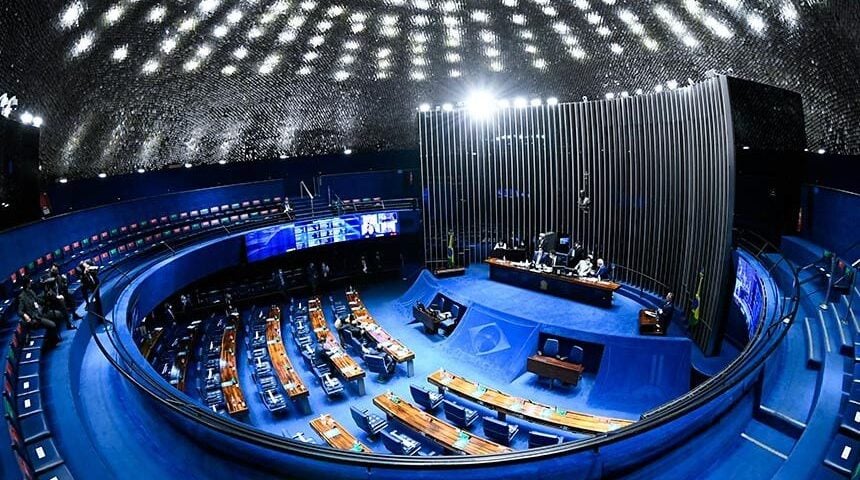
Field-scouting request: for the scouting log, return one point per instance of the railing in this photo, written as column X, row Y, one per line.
column 766, row 339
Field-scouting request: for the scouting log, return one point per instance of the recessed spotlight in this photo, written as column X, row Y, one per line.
column 746, row 147
column 447, row 107
column 347, row 151
column 141, row 170
column 188, row 165
column 520, row 102
column 37, row 122
column 222, row 162
column 552, row 101
column 639, row 91
column 535, row 102
column 658, row 88
column 610, row 96
column 821, row 151
column 64, row 180
column 102, row 175
column 425, row 107
column 672, row 84
column 27, row 118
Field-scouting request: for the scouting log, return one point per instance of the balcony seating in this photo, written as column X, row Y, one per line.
column 540, row 439
column 458, row 414
column 400, row 444
column 499, row 431
column 383, row 364
column 425, row 398
column 367, row 421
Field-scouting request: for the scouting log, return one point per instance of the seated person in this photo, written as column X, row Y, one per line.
column 541, row 258
column 602, row 271
column 54, row 299
column 664, row 313
column 583, row 268
column 89, row 276
column 35, row 314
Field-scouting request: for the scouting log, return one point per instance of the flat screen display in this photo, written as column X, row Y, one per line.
column 749, row 294
column 274, row 241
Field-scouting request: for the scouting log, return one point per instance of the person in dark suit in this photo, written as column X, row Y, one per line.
column 664, row 313
column 602, row 271
column 55, row 296
column 34, row 312
column 89, row 277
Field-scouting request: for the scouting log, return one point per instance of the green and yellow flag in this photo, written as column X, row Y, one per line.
column 696, row 304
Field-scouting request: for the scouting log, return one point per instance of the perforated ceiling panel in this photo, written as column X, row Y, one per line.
column 128, row 84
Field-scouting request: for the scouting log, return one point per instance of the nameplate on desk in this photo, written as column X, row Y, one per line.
column 332, row 433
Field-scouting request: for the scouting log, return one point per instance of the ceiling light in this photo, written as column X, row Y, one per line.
column 658, row 88
column 64, row 180
column 520, row 102
column 535, row 102
column 102, row 175
column 27, row 118
column 347, row 151
column 222, row 162
column 447, row 107
column 425, row 107
column 552, row 101
column 188, row 165
column 821, row 151
column 672, row 84
column 610, row 96
column 141, row 170
column 37, row 122
column 481, row 104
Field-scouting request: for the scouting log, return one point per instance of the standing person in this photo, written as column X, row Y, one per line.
column 62, row 288
column 55, row 301
column 88, row 274
column 34, row 314
column 313, row 277
column 325, row 271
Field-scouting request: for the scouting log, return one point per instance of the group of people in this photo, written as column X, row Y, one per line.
column 55, row 304
column 581, row 261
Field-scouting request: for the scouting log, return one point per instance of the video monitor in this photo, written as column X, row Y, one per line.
column 270, row 242
column 379, row 225
column 748, row 294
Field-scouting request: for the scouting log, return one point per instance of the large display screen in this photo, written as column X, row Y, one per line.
column 274, row 241
column 749, row 294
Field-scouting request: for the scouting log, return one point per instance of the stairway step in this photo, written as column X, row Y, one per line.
column 843, row 335
column 780, row 421
column 828, row 339
column 813, row 344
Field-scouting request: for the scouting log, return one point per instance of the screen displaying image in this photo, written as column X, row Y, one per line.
column 379, row 224
column 748, row 294
column 274, row 241
column 269, row 242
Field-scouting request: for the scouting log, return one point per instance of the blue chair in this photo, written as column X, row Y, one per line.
column 540, row 439
column 458, row 414
column 330, row 385
column 843, row 454
column 550, row 349
column 576, row 355
column 399, row 444
column 382, row 364
column 499, row 431
column 369, row 422
column 427, row 399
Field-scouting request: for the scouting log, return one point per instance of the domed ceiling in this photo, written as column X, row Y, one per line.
column 129, row 84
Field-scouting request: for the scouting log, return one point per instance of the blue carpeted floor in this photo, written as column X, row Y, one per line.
column 432, row 353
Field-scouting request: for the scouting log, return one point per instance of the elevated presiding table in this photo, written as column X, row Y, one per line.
column 336, row 435
column 345, row 365
column 444, row 434
column 523, row 408
column 290, row 379
column 390, row 345
column 589, row 290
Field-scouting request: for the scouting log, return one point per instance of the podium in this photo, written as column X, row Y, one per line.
column 649, row 323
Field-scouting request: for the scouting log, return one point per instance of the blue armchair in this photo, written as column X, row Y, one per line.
column 427, row 399
column 382, row 364
column 540, row 439
column 399, row 444
column 499, row 431
column 576, row 355
column 458, row 414
column 551, row 349
column 369, row 422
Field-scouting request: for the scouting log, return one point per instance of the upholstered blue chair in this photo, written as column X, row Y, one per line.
column 399, row 444
column 458, row 414
column 540, row 439
column 367, row 421
column 425, row 398
column 551, row 349
column 499, row 431
column 576, row 355
column 381, row 364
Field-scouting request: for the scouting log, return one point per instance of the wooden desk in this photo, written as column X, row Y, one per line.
column 649, row 323
column 390, row 345
column 446, row 435
column 345, row 365
column 574, row 288
column 230, row 374
column 524, row 408
column 290, row 379
column 552, row 367
column 336, row 436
